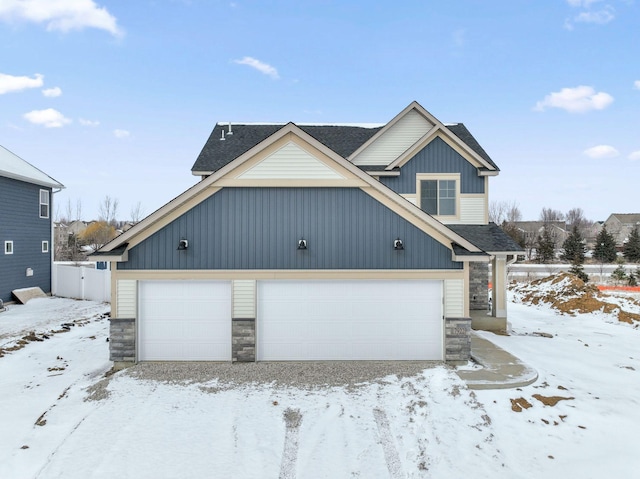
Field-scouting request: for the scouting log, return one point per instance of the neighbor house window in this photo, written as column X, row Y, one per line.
column 438, row 197
column 44, row 203
column 8, row 247
column 45, row 246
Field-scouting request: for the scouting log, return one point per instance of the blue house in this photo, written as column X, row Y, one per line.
column 26, row 202
column 316, row 242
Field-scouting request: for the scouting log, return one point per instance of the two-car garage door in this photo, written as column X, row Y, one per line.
column 352, row 320
column 296, row 320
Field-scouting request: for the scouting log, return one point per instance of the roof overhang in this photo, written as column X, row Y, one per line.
column 118, row 254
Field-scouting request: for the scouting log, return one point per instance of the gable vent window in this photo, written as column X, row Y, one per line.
column 44, row 204
column 438, row 197
column 8, row 247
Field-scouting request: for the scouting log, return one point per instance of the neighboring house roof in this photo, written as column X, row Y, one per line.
column 489, row 238
column 12, row 166
column 626, row 218
column 229, row 141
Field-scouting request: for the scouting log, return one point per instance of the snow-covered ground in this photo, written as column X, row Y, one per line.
column 429, row 425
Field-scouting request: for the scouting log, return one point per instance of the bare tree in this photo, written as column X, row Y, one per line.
column 78, row 209
column 108, row 209
column 504, row 211
column 548, row 215
column 137, row 212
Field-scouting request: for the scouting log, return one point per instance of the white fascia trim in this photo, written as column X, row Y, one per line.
column 488, row 173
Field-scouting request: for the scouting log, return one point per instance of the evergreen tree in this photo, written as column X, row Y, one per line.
column 573, row 247
column 619, row 274
column 545, row 247
column 632, row 246
column 574, row 252
column 605, row 250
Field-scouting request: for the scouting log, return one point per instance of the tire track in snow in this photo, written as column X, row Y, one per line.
column 292, row 419
column 388, row 447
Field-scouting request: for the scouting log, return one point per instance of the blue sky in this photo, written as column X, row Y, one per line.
column 114, row 97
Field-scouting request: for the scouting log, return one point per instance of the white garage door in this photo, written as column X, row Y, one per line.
column 350, row 320
column 185, row 321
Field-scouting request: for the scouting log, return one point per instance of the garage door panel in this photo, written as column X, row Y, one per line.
column 358, row 320
column 185, row 321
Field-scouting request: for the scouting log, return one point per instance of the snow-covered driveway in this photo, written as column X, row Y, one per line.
column 427, row 425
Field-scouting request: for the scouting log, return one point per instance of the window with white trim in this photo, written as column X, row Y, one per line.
column 44, row 203
column 45, row 246
column 438, row 196
column 8, row 247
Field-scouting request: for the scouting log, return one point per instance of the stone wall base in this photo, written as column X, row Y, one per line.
column 122, row 340
column 478, row 286
column 243, row 340
column 457, row 342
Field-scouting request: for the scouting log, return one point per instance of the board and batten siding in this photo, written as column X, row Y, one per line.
column 259, row 228
column 244, row 299
column 20, row 222
column 398, row 139
column 436, row 157
column 127, row 298
column 290, row 161
column 453, row 298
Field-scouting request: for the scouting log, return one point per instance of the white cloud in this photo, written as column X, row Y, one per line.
column 260, row 66
column 49, row 118
column 61, row 15
column 52, row 92
column 582, row 3
column 600, row 17
column 601, row 151
column 121, row 133
column 636, row 84
column 10, row 83
column 634, row 155
column 575, row 100
column 85, row 122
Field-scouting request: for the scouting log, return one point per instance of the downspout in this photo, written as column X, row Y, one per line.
column 52, row 250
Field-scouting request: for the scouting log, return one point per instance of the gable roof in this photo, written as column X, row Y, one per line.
column 345, row 140
column 216, row 153
column 231, row 175
column 626, row 218
column 12, row 166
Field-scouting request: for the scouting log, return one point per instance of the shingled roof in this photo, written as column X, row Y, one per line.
column 489, row 238
column 342, row 139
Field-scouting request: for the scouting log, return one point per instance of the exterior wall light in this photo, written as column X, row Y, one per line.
column 398, row 244
column 302, row 243
column 183, row 244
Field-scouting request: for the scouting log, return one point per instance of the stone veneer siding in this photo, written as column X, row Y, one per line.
column 478, row 286
column 122, row 340
column 243, row 342
column 457, row 343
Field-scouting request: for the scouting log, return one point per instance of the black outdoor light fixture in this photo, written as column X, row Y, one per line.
column 302, row 243
column 398, row 244
column 183, row 244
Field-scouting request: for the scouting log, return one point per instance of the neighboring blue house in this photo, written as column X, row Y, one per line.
column 316, row 242
column 26, row 240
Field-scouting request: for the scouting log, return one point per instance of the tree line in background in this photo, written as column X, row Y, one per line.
column 76, row 242
column 542, row 247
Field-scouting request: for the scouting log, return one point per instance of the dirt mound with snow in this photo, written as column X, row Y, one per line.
column 570, row 295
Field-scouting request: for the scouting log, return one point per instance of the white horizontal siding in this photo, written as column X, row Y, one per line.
column 244, row 299
column 127, row 298
column 290, row 162
column 407, row 130
column 472, row 210
column 453, row 298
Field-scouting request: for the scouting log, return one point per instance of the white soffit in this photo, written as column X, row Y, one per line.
column 290, row 162
column 398, row 139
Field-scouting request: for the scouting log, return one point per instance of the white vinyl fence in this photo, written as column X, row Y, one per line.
column 81, row 282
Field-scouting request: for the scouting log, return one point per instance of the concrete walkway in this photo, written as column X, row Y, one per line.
column 500, row 369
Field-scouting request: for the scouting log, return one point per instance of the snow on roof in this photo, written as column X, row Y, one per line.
column 12, row 166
